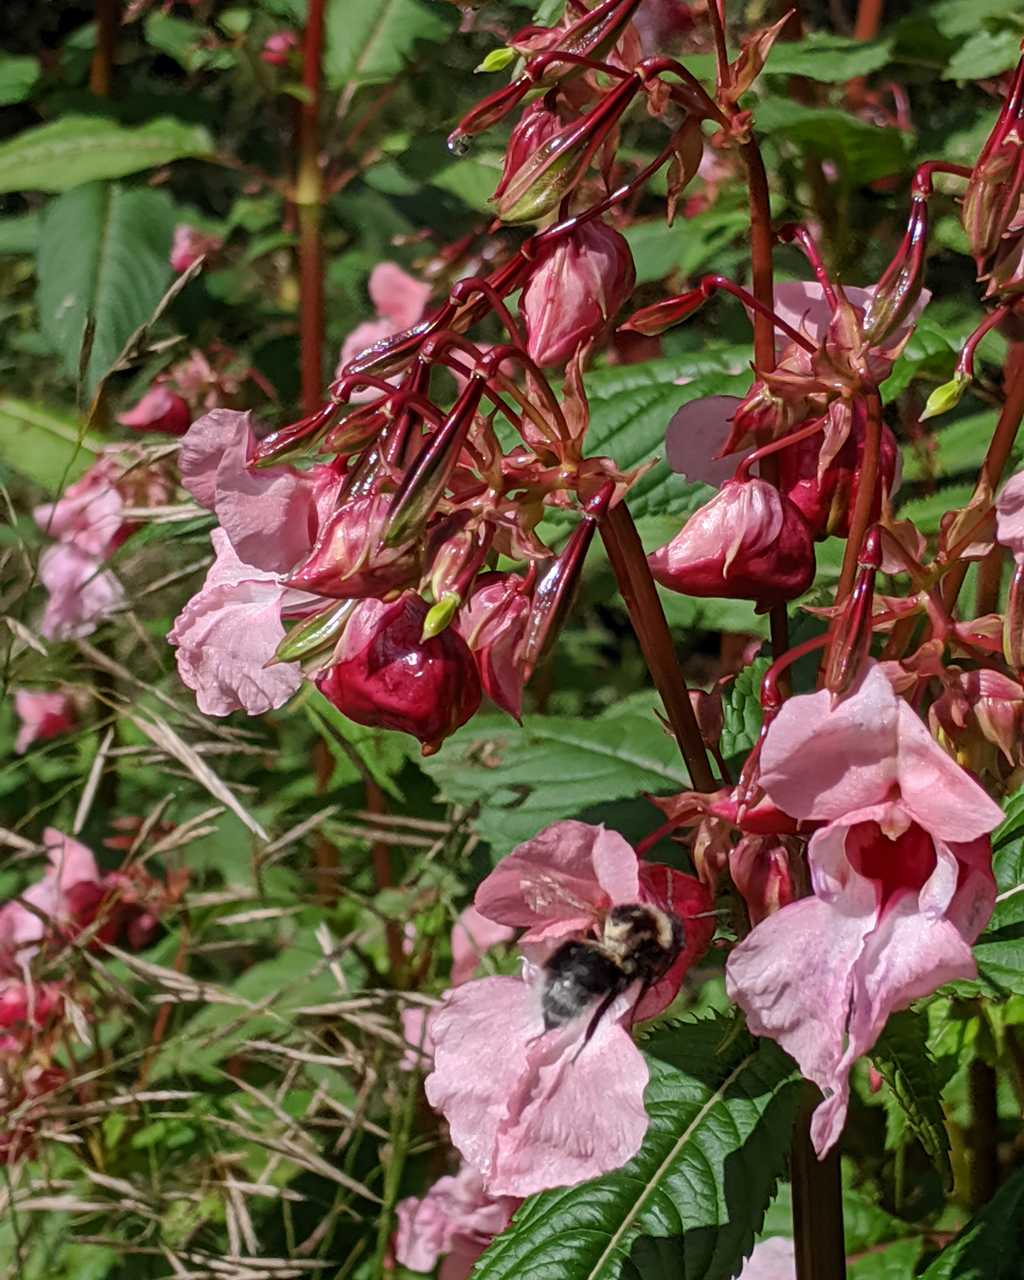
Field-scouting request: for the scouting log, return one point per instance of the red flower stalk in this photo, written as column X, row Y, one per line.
column 900, row 286
column 850, row 645
column 388, row 677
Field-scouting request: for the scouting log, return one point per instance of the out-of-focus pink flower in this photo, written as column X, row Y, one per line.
column 1010, row 516
column 473, row 935
column 661, row 24
column 493, row 623
column 28, row 1006
column 42, row 715
column 901, row 874
column 575, row 290
column 269, row 515
column 386, row 676
column 23, row 930
column 277, row 48
column 189, row 245
column 761, row 871
column 399, row 299
column 82, row 594
column 695, row 436
column 772, row 1259
column 160, row 409
column 530, row 1107
column 17, row 1138
column 455, row 1220
column 747, row 543
column 88, row 515
column 416, row 1020
column 228, row 632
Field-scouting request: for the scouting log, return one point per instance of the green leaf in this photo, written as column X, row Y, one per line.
column 905, row 1063
column 829, row 58
column 102, row 258
column 19, row 234
column 984, row 53
column 896, row 1261
column 472, row 178
column 18, row 77
column 989, row 1247
column 964, row 17
column 929, row 351
column 77, row 149
column 1000, row 949
column 43, row 444
column 552, row 767
column 741, row 708
column 186, row 42
column 955, row 449
column 368, row 41
column 862, row 152
column 926, row 512
column 720, row 1115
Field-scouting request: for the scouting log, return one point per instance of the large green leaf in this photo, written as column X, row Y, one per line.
column 984, row 54
column 1000, row 949
column 952, row 450
column 829, row 58
column 863, row 152
column 102, row 259
column 552, row 767
column 368, row 41
column 741, row 710
column 989, row 1247
column 721, row 1110
column 902, row 1057
column 43, row 444
column 77, row 149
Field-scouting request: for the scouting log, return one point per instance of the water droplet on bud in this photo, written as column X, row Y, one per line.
column 458, row 144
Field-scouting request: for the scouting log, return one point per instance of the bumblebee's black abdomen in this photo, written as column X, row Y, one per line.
column 575, row 975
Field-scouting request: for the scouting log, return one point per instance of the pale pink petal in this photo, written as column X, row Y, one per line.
column 82, row 593
column 398, row 296
column 1010, row 516
column 226, row 634
column 473, row 935
column 772, row 1259
column 695, row 436
column 42, row 715
column 71, row 862
column 89, row 513
column 565, row 876
column 202, row 448
column 975, row 897
column 456, row 1216
column 802, row 304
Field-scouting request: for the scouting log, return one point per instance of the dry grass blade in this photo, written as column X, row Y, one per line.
column 92, row 783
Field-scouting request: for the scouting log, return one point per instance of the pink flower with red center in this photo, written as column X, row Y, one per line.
column 189, row 244
column 160, row 409
column 748, row 543
column 44, row 906
column 42, row 715
column 399, row 299
column 278, row 48
column 901, row 876
column 385, row 675
column 575, row 290
column 456, row 1220
column 533, row 1102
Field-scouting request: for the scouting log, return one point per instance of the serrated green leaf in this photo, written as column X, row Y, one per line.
column 18, row 77
column 552, row 767
column 930, row 351
column 103, row 256
column 989, row 1247
column 984, row 53
column 901, row 1056
column 720, row 1116
column 77, row 149
column 863, row 152
column 741, row 710
column 1000, row 949
column 830, row 58
column 368, row 41
column 926, row 512
column 896, row 1261
column 44, row 444
column 951, row 450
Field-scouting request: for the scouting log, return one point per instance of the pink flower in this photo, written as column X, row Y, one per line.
column 575, row 290
column 42, row 715
column 1010, row 516
column 399, row 299
column 22, row 930
column 473, row 935
column 456, row 1220
column 82, row 594
column 531, row 1106
column 160, row 409
column 772, row 1259
column 277, row 48
column 228, row 632
column 386, row 676
column 760, row 870
column 189, row 245
column 695, row 436
column 493, row 623
column 88, row 515
column 902, row 882
column 748, row 543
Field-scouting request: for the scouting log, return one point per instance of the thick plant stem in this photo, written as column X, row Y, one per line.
column 626, row 553
column 309, row 201
column 983, row 1159
column 998, row 454
column 817, row 1202
column 861, row 517
column 101, row 70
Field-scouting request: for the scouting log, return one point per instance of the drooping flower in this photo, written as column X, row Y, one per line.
column 43, row 716
column 189, row 244
column 531, row 1108
column 22, row 930
column 399, row 299
column 749, row 542
column 456, row 1220
column 160, row 409
column 761, row 871
column 89, row 513
column 902, row 880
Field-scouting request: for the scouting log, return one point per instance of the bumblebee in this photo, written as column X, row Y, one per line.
column 639, row 943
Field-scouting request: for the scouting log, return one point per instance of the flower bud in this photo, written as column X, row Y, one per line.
column 536, row 125
column 576, row 287
column 761, row 871
column 660, row 316
column 314, row 635
column 994, row 190
column 850, row 644
column 160, row 409
column 554, row 594
column 1013, row 621
column 493, row 624
column 946, row 397
column 996, row 704
column 748, row 543
column 349, row 559
column 900, row 287
column 297, row 438
column 387, row 677
column 277, row 48
column 457, row 547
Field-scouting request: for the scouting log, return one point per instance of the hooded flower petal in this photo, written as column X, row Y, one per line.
column 696, row 436
column 473, row 935
column 160, row 409
column 226, row 634
column 522, row 1107
column 456, row 1217
column 561, row 880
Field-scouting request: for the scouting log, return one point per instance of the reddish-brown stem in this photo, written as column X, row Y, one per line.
column 869, row 19
column 101, row 71
column 965, row 361
column 633, row 574
column 998, row 453
column 309, row 201
column 716, row 16
column 817, row 1201
column 990, row 580
column 861, row 517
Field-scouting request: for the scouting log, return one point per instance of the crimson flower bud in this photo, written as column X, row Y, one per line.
column 456, row 549
column 493, row 624
column 660, row 316
column 349, row 559
column 277, row 48
column 761, row 871
column 994, row 190
column 535, row 126
column 555, row 591
column 160, row 409
column 577, row 286
column 296, row 438
column 900, row 286
column 826, row 496
column 748, row 543
column 387, row 677
column 707, row 707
